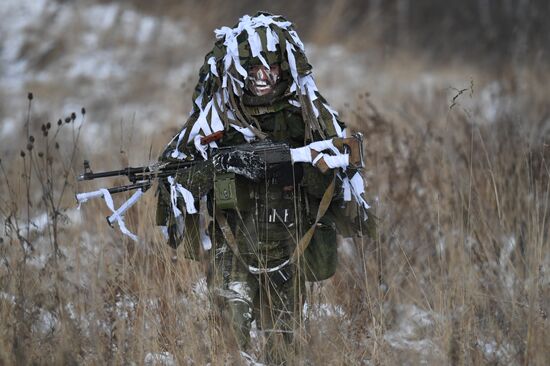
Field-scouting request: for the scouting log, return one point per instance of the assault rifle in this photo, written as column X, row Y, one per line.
column 267, row 151
column 251, row 159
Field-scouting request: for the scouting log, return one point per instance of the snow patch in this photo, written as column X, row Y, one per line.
column 200, row 289
column 495, row 351
column 9, row 128
column 8, row 297
column 99, row 65
column 145, row 29
column 507, row 275
column 408, row 334
column 249, row 360
column 102, row 16
column 322, row 310
column 159, row 359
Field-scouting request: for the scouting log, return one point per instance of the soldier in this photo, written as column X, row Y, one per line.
column 257, row 85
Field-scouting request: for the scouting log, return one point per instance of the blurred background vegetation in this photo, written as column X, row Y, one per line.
column 489, row 32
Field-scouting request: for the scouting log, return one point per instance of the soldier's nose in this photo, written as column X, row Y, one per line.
column 262, row 73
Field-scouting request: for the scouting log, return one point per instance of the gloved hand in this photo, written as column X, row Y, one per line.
column 244, row 163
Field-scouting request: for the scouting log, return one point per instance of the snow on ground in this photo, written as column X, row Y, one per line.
column 17, row 16
column 159, row 359
column 409, row 333
column 494, row 351
column 322, row 310
column 107, row 57
column 7, row 297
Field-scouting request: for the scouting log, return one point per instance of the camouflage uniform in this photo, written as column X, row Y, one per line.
column 283, row 206
column 266, row 241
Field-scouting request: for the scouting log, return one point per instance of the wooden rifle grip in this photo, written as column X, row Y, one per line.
column 212, row 137
column 353, row 149
column 321, row 165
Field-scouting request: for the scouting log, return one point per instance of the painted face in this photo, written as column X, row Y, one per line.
column 262, row 80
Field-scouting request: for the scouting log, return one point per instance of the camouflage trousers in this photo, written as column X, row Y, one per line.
column 272, row 299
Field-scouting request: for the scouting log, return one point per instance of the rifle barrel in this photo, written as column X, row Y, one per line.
column 112, row 173
column 143, row 185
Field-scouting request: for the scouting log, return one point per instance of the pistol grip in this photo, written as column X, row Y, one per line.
column 321, row 165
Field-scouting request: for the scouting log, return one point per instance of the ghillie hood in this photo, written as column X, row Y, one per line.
column 217, row 100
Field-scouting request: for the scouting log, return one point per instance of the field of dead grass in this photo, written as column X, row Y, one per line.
column 458, row 273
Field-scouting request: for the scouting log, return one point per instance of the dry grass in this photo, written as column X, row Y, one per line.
column 459, row 272
column 463, row 238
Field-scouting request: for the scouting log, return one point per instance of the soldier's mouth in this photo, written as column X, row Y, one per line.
column 261, row 87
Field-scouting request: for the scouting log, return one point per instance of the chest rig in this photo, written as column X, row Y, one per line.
column 276, row 201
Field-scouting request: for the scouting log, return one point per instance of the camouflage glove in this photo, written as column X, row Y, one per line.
column 244, row 163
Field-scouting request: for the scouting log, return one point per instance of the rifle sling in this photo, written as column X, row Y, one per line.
column 229, row 237
column 323, row 207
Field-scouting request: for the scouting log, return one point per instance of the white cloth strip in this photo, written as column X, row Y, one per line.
column 317, row 158
column 358, row 188
column 293, row 87
column 164, row 232
column 292, row 61
column 324, row 145
column 337, row 161
column 212, row 62
column 178, row 189
column 358, row 184
column 233, row 50
column 125, row 206
column 255, row 44
column 301, row 154
column 216, row 123
column 176, row 153
column 247, row 133
column 226, row 64
column 296, row 39
column 85, row 196
column 308, row 87
column 347, row 189
column 109, row 202
column 272, row 40
column 239, row 82
column 231, row 115
column 236, row 91
column 200, row 147
column 294, row 102
column 174, row 198
column 205, row 239
column 247, row 21
column 256, row 270
column 188, row 198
